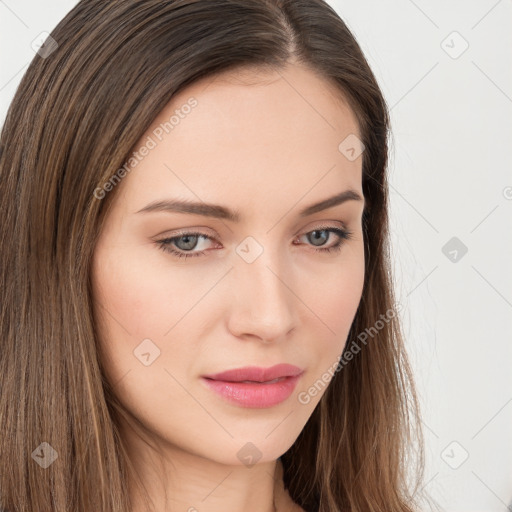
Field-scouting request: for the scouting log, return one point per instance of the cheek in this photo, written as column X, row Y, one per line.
column 341, row 300
column 335, row 294
column 138, row 307
column 128, row 307
column 143, row 298
column 138, row 298
column 333, row 304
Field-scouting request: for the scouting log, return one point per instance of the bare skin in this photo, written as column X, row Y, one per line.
column 266, row 145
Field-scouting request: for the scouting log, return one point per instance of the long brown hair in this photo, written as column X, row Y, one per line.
column 78, row 112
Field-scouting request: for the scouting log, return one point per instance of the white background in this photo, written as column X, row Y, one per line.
column 450, row 176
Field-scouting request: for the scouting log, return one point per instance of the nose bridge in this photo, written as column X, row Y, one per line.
column 262, row 304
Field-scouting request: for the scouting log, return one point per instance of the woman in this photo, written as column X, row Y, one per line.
column 197, row 309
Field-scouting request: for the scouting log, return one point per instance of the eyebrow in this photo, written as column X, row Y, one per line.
column 221, row 212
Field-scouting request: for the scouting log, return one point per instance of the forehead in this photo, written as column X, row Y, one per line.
column 248, row 134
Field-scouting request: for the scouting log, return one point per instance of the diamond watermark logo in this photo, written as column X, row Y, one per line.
column 249, row 454
column 454, row 45
column 351, row 147
column 454, row 249
column 44, row 45
column 147, row 352
column 249, row 249
column 45, row 455
column 455, row 455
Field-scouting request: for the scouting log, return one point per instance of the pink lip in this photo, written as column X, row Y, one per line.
column 259, row 393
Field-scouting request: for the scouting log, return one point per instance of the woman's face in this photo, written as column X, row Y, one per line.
column 262, row 279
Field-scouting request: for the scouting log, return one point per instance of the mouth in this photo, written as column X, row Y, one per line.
column 255, row 387
column 279, row 379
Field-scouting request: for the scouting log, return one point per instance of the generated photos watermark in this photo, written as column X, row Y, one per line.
column 347, row 355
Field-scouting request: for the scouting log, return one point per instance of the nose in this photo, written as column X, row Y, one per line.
column 263, row 305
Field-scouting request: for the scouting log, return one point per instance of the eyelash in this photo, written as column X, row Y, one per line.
column 165, row 244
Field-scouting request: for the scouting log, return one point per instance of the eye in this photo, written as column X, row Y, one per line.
column 184, row 245
column 318, row 238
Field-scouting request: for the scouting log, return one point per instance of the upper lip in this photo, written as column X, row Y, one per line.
column 256, row 373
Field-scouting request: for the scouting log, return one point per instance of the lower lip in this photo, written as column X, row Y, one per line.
column 257, row 395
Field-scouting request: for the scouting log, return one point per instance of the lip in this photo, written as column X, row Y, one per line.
column 267, row 386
